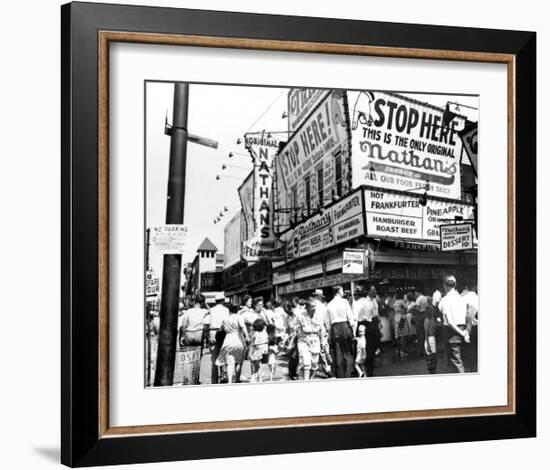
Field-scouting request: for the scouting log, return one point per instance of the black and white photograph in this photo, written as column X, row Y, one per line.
column 296, row 234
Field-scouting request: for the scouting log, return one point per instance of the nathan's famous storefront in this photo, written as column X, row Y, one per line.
column 400, row 238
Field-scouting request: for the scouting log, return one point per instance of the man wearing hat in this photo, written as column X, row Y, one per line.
column 218, row 313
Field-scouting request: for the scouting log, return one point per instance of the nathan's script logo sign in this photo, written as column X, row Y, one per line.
column 399, row 143
column 337, row 224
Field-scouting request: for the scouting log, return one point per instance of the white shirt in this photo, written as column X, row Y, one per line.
column 321, row 313
column 339, row 310
column 368, row 309
column 472, row 305
column 421, row 303
column 193, row 319
column 218, row 314
column 436, row 298
column 453, row 306
column 280, row 320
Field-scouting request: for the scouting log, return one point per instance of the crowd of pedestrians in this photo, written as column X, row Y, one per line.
column 340, row 338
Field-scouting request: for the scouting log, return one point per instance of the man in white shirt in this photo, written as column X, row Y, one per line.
column 218, row 314
column 340, row 318
column 421, row 303
column 368, row 316
column 453, row 308
column 192, row 323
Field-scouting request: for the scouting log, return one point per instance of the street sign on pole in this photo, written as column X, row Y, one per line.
column 169, row 238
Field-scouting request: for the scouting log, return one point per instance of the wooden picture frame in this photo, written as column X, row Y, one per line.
column 87, row 31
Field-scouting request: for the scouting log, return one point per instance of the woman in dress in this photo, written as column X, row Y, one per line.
column 233, row 352
column 401, row 328
column 248, row 314
column 309, row 336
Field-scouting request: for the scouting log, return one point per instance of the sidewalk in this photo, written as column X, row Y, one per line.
column 386, row 364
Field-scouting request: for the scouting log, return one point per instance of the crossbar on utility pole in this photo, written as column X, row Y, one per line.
column 171, row 272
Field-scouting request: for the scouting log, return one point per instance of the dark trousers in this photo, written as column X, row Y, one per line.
column 341, row 340
column 454, row 348
column 470, row 351
column 214, row 351
column 372, row 337
column 293, row 361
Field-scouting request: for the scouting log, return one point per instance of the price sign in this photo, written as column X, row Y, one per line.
column 456, row 237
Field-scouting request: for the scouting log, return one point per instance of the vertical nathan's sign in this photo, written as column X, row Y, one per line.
column 402, row 144
column 263, row 243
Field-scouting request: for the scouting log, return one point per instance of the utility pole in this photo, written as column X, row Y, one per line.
column 171, row 271
column 175, row 203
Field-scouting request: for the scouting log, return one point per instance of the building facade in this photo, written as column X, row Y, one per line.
column 205, row 273
column 372, row 172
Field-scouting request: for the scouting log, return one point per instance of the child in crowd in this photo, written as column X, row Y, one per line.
column 258, row 348
column 401, row 328
column 430, row 329
column 361, row 354
column 272, row 349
